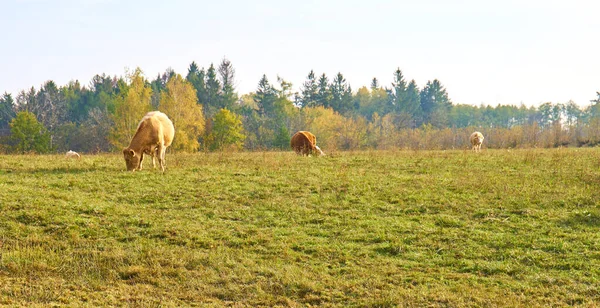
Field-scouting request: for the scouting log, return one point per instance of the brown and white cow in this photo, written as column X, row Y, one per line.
column 305, row 143
column 476, row 141
column 154, row 134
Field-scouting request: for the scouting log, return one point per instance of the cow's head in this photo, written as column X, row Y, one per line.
column 318, row 151
column 132, row 160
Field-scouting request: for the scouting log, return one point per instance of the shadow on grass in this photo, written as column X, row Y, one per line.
column 62, row 170
column 584, row 219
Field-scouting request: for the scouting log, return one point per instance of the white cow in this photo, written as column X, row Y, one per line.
column 72, row 154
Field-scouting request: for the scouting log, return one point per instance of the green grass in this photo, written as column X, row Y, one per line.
column 428, row 228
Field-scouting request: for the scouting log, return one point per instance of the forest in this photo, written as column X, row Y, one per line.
column 210, row 115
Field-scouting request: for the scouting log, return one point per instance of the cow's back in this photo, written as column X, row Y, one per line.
column 303, row 142
column 302, row 139
column 155, row 127
column 310, row 137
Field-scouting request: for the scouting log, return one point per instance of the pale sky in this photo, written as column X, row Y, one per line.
column 490, row 52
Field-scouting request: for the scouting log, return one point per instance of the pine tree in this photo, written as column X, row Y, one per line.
column 76, row 100
column 341, row 95
column 265, row 97
column 26, row 100
column 50, row 108
column 323, row 97
column 412, row 103
column 282, row 138
column 374, row 84
column 157, row 85
column 572, row 113
column 435, row 104
column 197, row 78
column 308, row 96
column 398, row 93
column 213, row 92
column 227, row 77
column 7, row 111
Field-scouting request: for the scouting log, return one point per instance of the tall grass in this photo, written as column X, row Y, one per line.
column 381, row 228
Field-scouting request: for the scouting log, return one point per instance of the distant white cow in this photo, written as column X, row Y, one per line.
column 72, row 154
column 476, row 141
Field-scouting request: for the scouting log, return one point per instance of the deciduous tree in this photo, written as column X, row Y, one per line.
column 179, row 102
column 227, row 131
column 29, row 135
column 131, row 105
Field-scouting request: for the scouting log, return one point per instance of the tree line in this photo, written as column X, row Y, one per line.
column 210, row 115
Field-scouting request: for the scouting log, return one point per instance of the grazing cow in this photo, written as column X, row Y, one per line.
column 72, row 154
column 476, row 141
column 305, row 143
column 154, row 134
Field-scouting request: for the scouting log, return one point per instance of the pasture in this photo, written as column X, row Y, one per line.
column 398, row 228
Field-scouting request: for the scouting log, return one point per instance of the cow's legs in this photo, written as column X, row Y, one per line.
column 141, row 159
column 154, row 154
column 160, row 150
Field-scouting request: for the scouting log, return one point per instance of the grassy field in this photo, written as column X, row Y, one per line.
column 428, row 228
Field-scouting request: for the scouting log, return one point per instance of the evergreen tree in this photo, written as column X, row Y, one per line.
column 104, row 91
column 193, row 70
column 341, row 95
column 213, row 92
column 374, row 84
column 265, row 97
column 323, row 97
column 593, row 110
column 398, row 93
column 282, row 138
column 308, row 96
column 76, row 100
column 157, row 86
column 7, row 111
column 50, row 108
column 412, row 102
column 572, row 113
column 26, row 100
column 227, row 77
column 197, row 78
column 435, row 104
column 550, row 114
